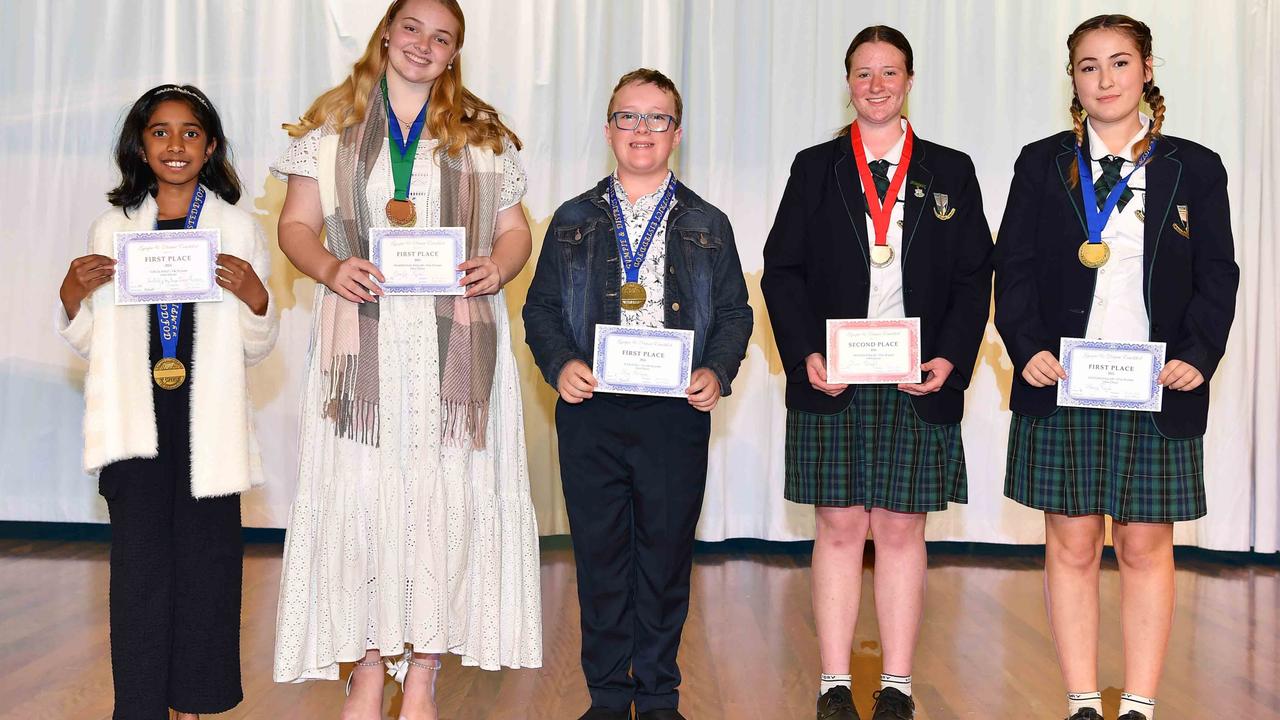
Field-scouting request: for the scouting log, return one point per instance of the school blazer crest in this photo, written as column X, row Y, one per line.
column 119, row 417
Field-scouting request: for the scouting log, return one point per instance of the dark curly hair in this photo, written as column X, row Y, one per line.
column 136, row 178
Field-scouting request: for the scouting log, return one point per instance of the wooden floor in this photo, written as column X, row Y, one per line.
column 748, row 654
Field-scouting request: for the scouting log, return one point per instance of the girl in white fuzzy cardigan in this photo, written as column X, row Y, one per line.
column 172, row 460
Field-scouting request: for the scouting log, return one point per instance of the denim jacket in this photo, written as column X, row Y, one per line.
column 577, row 280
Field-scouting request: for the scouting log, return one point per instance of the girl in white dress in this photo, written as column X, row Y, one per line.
column 412, row 532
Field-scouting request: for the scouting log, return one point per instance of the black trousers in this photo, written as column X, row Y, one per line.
column 176, row 572
column 634, row 470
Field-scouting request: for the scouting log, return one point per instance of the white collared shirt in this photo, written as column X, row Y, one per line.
column 1119, row 311
column 652, row 314
column 885, row 299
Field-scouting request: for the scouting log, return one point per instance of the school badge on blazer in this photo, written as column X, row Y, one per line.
column 919, row 188
column 941, row 209
column 1181, row 227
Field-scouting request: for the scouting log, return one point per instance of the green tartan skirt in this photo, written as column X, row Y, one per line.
column 1086, row 461
column 875, row 453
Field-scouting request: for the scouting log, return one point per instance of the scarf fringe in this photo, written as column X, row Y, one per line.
column 464, row 423
column 354, row 418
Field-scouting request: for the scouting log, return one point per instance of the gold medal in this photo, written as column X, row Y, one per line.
column 633, row 296
column 401, row 213
column 881, row 255
column 1094, row 255
column 169, row 373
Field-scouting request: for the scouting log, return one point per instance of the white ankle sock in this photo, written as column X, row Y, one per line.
column 901, row 683
column 830, row 681
column 1144, row 705
column 1078, row 701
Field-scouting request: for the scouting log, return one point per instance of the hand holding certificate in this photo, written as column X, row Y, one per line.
column 167, row 266
column 1118, row 376
column 866, row 352
column 419, row 261
column 643, row 361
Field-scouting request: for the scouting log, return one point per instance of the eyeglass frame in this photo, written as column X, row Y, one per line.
column 672, row 123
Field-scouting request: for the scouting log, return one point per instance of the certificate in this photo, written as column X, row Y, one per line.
column 643, row 361
column 869, row 352
column 167, row 266
column 419, row 261
column 1112, row 375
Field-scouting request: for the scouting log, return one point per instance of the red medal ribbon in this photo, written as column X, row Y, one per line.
column 880, row 215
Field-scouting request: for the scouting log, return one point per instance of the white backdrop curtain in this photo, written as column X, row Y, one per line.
column 761, row 80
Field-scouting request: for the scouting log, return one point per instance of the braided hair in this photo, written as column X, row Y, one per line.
column 1141, row 36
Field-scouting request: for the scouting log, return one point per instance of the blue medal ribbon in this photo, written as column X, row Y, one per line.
column 632, row 260
column 169, row 315
column 1096, row 217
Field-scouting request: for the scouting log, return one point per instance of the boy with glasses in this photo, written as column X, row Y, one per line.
column 639, row 250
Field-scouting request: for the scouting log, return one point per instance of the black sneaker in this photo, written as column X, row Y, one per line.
column 599, row 713
column 837, row 704
column 1132, row 715
column 892, row 704
column 1087, row 714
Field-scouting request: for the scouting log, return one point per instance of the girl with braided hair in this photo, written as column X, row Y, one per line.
column 1163, row 270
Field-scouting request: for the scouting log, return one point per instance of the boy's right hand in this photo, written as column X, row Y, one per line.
column 85, row 275
column 576, row 382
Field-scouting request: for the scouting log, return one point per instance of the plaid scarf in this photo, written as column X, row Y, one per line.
column 470, row 187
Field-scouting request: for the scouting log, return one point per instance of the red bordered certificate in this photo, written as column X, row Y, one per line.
column 869, row 352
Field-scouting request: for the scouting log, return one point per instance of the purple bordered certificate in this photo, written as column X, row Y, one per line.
column 873, row 352
column 1111, row 375
column 419, row 261
column 643, row 361
column 167, row 266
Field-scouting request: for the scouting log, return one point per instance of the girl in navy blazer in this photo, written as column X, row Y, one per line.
column 876, row 456
column 1167, row 275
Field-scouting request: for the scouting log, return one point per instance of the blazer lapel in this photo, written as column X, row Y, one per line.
column 1163, row 174
column 918, row 175
column 1065, row 161
column 846, row 171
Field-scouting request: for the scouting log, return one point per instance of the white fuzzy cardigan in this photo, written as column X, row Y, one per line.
column 119, row 415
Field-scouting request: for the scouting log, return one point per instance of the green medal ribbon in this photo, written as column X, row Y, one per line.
column 403, row 151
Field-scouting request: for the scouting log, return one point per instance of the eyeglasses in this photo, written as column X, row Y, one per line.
column 656, row 122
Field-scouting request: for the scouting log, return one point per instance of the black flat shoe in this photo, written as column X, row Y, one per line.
column 1086, row 714
column 893, row 704
column 660, row 714
column 1132, row 715
column 599, row 713
column 837, row 704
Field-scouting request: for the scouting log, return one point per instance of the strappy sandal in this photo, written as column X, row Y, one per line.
column 359, row 664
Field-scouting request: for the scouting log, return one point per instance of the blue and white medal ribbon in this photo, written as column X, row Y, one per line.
column 169, row 373
column 632, row 294
column 1093, row 252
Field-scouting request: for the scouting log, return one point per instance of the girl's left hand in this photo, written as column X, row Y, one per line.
column 482, row 276
column 1179, row 375
column 936, row 372
column 239, row 277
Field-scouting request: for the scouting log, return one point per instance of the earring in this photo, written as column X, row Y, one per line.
column 386, row 42
column 449, row 66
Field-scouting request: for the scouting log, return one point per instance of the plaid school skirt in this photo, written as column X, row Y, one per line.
column 874, row 453
column 1087, row 461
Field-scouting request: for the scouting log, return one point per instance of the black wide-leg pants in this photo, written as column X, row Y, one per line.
column 634, row 470
column 176, row 572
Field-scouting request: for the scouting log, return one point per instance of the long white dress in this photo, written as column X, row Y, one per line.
column 410, row 542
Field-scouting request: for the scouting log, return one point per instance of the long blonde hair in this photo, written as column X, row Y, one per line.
column 1141, row 36
column 455, row 116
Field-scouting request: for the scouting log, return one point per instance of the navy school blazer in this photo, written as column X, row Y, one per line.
column 1190, row 277
column 816, row 266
